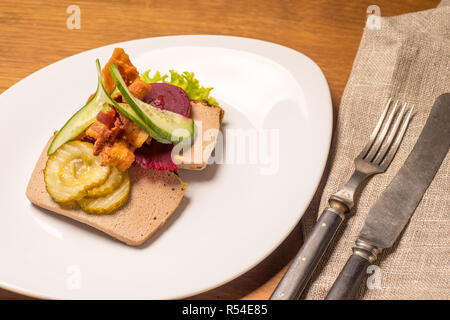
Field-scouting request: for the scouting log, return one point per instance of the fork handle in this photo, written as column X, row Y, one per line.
column 297, row 276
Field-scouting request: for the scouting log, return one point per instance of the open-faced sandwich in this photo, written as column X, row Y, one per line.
column 112, row 164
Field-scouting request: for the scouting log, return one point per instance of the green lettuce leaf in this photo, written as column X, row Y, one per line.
column 185, row 81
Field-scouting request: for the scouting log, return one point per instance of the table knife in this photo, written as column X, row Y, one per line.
column 393, row 209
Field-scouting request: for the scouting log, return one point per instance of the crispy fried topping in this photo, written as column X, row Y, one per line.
column 107, row 117
column 96, row 130
column 118, row 155
column 140, row 88
column 108, row 137
column 133, row 134
column 126, row 68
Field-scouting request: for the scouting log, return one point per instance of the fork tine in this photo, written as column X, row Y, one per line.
column 374, row 133
column 382, row 135
column 387, row 143
column 387, row 160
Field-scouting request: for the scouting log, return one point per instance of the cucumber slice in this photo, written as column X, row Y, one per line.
column 114, row 92
column 168, row 125
column 81, row 120
column 131, row 114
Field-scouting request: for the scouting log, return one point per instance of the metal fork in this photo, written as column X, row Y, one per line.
column 373, row 159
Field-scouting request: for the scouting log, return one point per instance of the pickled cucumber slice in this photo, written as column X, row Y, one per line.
column 72, row 170
column 110, row 202
column 114, row 179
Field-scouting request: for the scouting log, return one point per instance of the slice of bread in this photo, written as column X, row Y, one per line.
column 153, row 198
column 210, row 117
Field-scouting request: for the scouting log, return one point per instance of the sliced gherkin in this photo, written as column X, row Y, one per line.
column 72, row 170
column 114, row 179
column 108, row 203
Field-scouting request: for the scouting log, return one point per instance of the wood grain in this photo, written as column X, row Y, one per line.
column 33, row 34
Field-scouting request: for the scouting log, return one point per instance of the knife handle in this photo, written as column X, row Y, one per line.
column 297, row 276
column 349, row 280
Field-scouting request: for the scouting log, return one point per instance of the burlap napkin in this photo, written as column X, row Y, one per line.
column 407, row 59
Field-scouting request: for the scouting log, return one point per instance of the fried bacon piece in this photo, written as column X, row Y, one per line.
column 110, row 145
column 118, row 155
column 107, row 117
column 133, row 134
column 139, row 88
column 108, row 137
column 122, row 61
column 104, row 130
column 96, row 130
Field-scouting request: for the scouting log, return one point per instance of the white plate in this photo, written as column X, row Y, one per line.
column 232, row 217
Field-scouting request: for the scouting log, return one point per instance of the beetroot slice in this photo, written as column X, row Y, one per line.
column 155, row 155
column 169, row 97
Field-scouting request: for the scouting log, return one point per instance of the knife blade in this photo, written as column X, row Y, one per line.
column 397, row 203
column 391, row 212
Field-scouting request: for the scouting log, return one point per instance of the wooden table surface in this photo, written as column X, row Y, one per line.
column 33, row 34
